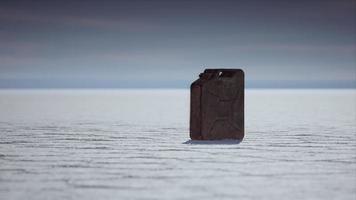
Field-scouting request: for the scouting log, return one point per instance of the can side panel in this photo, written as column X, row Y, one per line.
column 195, row 112
column 239, row 105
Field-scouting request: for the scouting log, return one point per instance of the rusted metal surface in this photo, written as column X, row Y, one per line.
column 217, row 105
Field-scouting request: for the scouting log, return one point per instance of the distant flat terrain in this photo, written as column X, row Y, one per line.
column 134, row 144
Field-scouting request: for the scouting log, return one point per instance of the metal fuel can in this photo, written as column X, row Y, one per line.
column 217, row 105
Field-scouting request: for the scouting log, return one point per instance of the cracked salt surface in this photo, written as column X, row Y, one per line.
column 134, row 144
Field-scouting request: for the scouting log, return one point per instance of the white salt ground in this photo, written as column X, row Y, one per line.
column 134, row 144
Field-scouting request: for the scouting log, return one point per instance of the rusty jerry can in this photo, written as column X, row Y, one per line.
column 217, row 105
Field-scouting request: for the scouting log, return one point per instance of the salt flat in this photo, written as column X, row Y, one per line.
column 134, row 144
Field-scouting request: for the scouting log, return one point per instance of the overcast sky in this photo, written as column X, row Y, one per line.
column 167, row 43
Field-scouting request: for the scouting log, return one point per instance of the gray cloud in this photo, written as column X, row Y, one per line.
column 163, row 41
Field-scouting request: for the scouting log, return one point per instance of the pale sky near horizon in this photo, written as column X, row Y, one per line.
column 136, row 43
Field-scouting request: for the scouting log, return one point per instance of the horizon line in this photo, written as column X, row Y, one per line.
column 162, row 84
